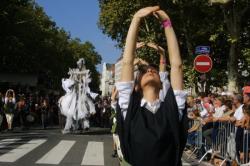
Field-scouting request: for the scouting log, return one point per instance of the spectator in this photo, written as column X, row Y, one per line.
column 9, row 107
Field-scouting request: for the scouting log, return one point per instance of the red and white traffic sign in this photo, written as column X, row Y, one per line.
column 203, row 63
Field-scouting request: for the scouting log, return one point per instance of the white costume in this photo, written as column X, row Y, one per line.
column 76, row 104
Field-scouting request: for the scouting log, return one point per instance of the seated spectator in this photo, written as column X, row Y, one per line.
column 192, row 132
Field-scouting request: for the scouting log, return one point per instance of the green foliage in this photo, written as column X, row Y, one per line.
column 195, row 23
column 30, row 42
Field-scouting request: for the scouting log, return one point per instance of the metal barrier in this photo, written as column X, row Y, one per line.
column 197, row 141
column 222, row 135
column 223, row 143
column 246, row 148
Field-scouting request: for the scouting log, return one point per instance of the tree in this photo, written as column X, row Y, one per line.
column 234, row 12
column 32, row 43
column 195, row 22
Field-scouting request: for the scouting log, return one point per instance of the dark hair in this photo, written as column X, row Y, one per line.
column 197, row 101
column 202, row 94
column 142, row 69
column 239, row 97
column 229, row 104
column 196, row 112
column 222, row 99
column 246, row 109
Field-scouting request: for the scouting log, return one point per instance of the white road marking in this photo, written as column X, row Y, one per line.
column 94, row 154
column 55, row 155
column 20, row 151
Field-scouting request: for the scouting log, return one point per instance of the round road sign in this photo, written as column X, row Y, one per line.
column 203, row 63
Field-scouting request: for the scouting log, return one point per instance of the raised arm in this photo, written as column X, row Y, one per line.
column 14, row 95
column 127, row 71
column 176, row 74
column 7, row 92
column 161, row 51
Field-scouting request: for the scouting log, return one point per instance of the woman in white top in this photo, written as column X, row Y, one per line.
column 9, row 107
column 150, row 119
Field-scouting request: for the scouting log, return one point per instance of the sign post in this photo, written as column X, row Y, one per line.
column 203, row 63
column 202, row 50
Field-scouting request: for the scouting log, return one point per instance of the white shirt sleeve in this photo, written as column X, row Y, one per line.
column 113, row 104
column 124, row 91
column 180, row 95
column 165, row 85
column 6, row 100
column 239, row 113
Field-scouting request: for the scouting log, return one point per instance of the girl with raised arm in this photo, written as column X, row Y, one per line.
column 151, row 119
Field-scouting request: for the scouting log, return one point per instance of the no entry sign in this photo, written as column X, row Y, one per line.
column 203, row 63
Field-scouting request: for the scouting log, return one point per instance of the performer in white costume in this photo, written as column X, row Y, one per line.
column 76, row 104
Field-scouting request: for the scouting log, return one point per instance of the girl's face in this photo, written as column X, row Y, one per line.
column 10, row 98
column 151, row 77
column 217, row 102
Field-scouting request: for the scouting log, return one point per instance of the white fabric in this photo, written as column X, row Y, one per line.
column 69, row 123
column 152, row 107
column 118, row 146
column 113, row 105
column 85, row 124
column 219, row 111
column 9, row 119
column 204, row 113
column 238, row 114
column 125, row 90
column 67, row 84
column 74, row 101
column 6, row 100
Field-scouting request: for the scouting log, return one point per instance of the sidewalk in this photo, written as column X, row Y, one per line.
column 194, row 161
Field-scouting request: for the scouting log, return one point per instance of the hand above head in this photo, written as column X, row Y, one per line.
column 146, row 11
column 161, row 15
column 156, row 47
column 140, row 44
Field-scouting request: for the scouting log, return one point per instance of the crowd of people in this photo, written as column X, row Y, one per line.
column 207, row 111
column 26, row 110
column 29, row 110
column 151, row 111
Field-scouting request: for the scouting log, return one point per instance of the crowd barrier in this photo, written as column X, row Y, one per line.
column 223, row 144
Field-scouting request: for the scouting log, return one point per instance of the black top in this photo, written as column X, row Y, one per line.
column 149, row 139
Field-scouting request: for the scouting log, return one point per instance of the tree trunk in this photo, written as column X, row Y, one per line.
column 233, row 23
column 232, row 67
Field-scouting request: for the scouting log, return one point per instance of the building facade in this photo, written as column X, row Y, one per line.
column 108, row 78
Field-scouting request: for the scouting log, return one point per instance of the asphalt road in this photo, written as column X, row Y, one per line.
column 49, row 147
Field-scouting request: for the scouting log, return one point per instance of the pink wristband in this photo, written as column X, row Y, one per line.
column 163, row 62
column 166, row 23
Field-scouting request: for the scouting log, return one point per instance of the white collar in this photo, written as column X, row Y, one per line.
column 151, row 106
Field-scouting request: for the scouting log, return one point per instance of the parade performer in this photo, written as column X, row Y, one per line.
column 76, row 104
column 151, row 114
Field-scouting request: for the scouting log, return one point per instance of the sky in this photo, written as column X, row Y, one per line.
column 79, row 18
